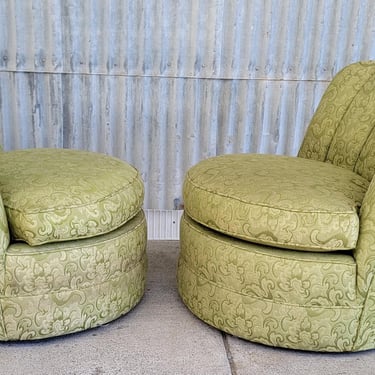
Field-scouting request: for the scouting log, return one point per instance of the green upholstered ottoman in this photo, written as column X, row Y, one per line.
column 281, row 250
column 72, row 241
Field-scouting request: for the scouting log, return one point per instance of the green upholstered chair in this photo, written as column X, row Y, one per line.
column 72, row 241
column 280, row 250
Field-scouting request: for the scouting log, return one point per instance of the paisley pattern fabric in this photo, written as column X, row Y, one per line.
column 276, row 200
column 277, row 297
column 57, row 195
column 4, row 243
column 60, row 288
column 4, row 230
column 311, row 300
column 342, row 130
column 365, row 259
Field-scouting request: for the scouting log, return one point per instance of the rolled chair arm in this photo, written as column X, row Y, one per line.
column 365, row 250
column 4, row 242
column 4, row 230
column 365, row 259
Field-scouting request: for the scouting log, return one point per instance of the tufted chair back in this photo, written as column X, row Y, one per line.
column 342, row 131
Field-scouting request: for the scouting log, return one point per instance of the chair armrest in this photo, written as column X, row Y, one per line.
column 365, row 250
column 365, row 259
column 4, row 242
column 4, row 229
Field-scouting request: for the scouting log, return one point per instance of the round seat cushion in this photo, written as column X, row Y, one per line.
column 274, row 200
column 60, row 194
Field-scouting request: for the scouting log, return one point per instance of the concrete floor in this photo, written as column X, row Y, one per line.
column 160, row 336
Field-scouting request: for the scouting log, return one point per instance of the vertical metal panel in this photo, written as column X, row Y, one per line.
column 163, row 224
column 165, row 83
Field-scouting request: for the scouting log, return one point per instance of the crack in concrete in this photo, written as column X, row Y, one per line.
column 228, row 352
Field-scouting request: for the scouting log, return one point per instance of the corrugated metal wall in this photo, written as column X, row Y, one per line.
column 165, row 83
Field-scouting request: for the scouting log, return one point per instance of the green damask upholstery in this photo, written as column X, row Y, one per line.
column 247, row 218
column 4, row 229
column 74, row 256
column 291, row 202
column 342, row 130
column 301, row 300
column 57, row 195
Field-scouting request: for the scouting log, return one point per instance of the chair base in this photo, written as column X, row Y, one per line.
column 241, row 310
column 61, row 288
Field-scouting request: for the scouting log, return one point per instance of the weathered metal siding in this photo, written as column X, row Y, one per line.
column 165, row 83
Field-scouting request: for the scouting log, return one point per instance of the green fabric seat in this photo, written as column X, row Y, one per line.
column 72, row 242
column 57, row 195
column 280, row 250
column 287, row 202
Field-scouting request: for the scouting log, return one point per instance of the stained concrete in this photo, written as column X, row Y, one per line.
column 160, row 336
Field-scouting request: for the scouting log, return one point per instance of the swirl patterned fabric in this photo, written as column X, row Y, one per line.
column 342, row 130
column 279, row 201
column 57, row 195
column 4, row 231
column 60, row 288
column 311, row 300
column 278, row 297
column 85, row 261
column 4, row 243
column 364, row 256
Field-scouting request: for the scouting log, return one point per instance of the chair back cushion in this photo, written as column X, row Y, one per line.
column 342, row 130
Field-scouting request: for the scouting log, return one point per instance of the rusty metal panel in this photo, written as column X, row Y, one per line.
column 165, row 83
